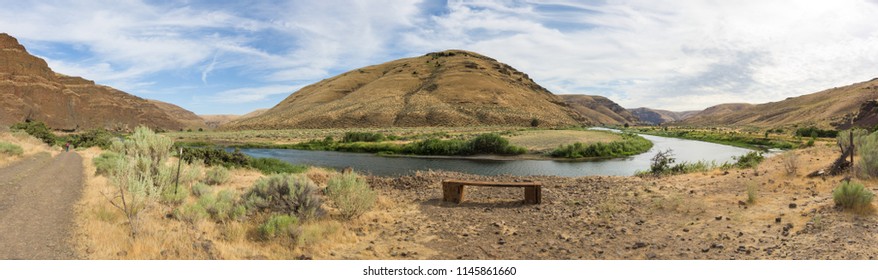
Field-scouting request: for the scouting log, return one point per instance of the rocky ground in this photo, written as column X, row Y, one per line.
column 693, row 216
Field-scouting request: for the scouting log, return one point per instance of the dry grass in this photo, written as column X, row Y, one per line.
column 542, row 140
column 101, row 232
column 28, row 143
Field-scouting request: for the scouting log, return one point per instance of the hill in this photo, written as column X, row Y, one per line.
column 599, row 109
column 449, row 88
column 188, row 118
column 30, row 90
column 215, row 121
column 656, row 116
column 829, row 108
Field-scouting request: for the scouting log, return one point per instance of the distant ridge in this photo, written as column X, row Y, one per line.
column 831, row 108
column 30, row 90
column 599, row 109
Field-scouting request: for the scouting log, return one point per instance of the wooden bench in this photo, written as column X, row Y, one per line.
column 452, row 190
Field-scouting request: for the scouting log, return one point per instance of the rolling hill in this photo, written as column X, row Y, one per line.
column 449, row 88
column 599, row 109
column 30, row 90
column 829, row 108
column 656, row 116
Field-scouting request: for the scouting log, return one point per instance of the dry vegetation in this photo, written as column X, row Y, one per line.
column 28, row 146
column 103, row 231
column 546, row 140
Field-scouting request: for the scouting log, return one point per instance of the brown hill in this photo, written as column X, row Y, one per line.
column 449, row 88
column 30, row 90
column 826, row 109
column 188, row 118
column 599, row 109
column 656, row 116
column 214, row 121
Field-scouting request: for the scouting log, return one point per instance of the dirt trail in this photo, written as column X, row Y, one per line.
column 37, row 195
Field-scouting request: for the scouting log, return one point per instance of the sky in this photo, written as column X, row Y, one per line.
column 229, row 57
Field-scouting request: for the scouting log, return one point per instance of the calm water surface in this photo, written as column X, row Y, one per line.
column 684, row 150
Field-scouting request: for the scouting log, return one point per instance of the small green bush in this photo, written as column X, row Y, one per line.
column 272, row 166
column 175, row 196
column 222, row 206
column 350, row 137
column 215, row 156
column 278, row 225
column 217, row 175
column 106, row 162
column 38, row 130
column 191, row 213
column 867, row 151
column 200, row 189
column 10, row 149
column 285, row 193
column 815, row 132
column 749, row 160
column 852, row 195
column 351, row 194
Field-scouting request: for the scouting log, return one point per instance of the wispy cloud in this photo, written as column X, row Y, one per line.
column 638, row 52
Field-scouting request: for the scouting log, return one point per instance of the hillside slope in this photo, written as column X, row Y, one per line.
column 828, row 108
column 30, row 90
column 449, row 88
column 186, row 117
column 656, row 116
column 599, row 109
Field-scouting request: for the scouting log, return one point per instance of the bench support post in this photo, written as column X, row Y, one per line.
column 533, row 195
column 452, row 192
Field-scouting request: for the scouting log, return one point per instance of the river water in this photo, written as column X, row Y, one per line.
column 683, row 150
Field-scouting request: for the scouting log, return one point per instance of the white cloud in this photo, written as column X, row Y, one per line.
column 638, row 52
column 252, row 94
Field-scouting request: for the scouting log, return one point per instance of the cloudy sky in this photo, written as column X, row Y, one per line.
column 213, row 57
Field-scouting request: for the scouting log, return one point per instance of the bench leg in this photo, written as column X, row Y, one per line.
column 452, row 192
column 533, row 195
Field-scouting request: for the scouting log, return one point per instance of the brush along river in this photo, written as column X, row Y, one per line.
column 684, row 150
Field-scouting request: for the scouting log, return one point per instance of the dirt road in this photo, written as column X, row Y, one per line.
column 37, row 195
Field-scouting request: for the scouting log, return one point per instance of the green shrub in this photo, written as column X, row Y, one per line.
column 279, row 225
column 285, row 193
column 272, row 166
column 36, row 129
column 175, row 195
column 92, row 138
column 815, row 132
column 852, row 195
column 631, row 144
column 350, row 194
column 217, row 175
column 10, row 149
column 749, row 160
column 191, row 213
column 106, row 162
column 434, row 146
column 200, row 189
column 222, row 206
column 490, row 143
column 362, row 137
column 867, row 151
column 215, row 156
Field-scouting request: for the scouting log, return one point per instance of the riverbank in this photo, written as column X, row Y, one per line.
column 727, row 136
column 694, row 216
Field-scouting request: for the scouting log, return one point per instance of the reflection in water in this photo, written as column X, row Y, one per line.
column 684, row 150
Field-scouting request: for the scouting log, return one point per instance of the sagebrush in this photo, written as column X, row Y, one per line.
column 350, row 193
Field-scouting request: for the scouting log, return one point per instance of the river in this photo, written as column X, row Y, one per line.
column 683, row 150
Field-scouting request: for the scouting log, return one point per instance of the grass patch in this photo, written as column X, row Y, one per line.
column 279, row 225
column 752, row 193
column 274, row 166
column 731, row 138
column 10, row 149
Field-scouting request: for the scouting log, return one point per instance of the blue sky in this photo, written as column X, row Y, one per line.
column 215, row 57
